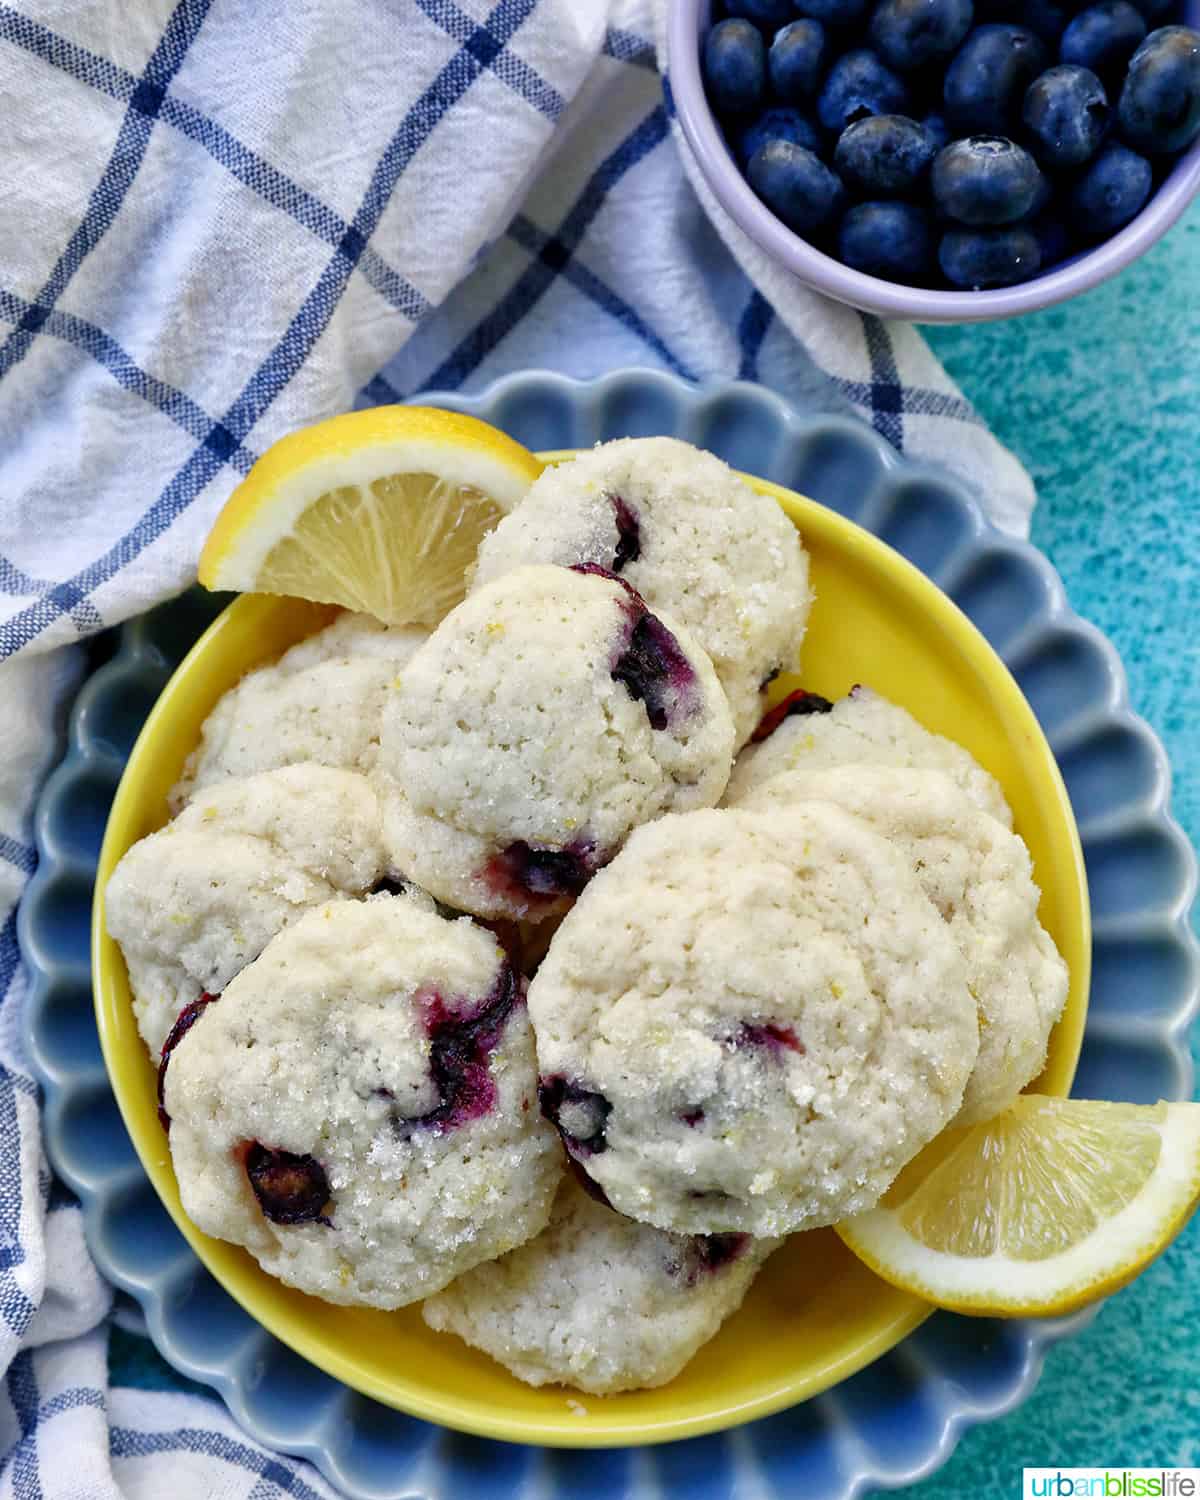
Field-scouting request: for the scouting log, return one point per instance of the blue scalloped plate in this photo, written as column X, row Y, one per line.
column 892, row 1423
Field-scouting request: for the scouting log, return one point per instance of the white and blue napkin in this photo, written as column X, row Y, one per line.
column 221, row 220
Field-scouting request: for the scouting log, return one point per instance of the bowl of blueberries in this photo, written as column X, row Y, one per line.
column 943, row 160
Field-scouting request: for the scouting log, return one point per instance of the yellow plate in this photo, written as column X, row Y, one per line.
column 815, row 1315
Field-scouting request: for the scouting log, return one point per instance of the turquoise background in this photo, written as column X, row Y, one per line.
column 1101, row 399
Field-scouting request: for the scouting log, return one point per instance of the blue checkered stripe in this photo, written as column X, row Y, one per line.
column 271, row 1476
column 39, row 1400
column 559, row 252
column 18, row 1098
column 219, row 438
column 222, row 438
column 553, row 252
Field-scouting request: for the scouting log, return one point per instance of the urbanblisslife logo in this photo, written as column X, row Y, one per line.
column 1111, row 1484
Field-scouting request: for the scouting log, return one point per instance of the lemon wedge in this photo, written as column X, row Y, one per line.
column 381, row 511
column 1052, row 1204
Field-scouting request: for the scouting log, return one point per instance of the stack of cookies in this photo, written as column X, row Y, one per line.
column 530, row 968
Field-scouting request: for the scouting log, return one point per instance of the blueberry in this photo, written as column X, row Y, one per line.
column 1159, row 108
column 783, row 123
column 629, row 534
column 650, row 663
column 796, row 185
column 525, row 874
column 462, row 1041
column 989, row 257
column 1104, row 37
column 908, row 34
column 654, row 671
column 1053, row 240
column 859, row 85
column 184, row 1022
column 1041, row 199
column 939, row 131
column 1153, row 10
column 290, row 1189
column 762, row 12
column 984, row 179
column 1110, row 192
column 1066, row 114
column 769, row 1036
column 706, row 1254
column 579, row 1114
column 987, row 79
column 1044, row 18
column 833, row 12
column 797, row 703
column 891, row 240
column 884, row 156
column 796, row 60
column 735, row 67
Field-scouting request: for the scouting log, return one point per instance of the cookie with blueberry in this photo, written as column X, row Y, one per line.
column 808, row 733
column 750, row 1022
column 979, row 877
column 598, row 1301
column 691, row 536
column 194, row 903
column 358, row 1107
column 547, row 716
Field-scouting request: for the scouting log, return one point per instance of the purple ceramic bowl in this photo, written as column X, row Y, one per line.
column 687, row 21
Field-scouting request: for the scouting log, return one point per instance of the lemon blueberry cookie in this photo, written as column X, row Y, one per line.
column 321, row 702
column 358, row 1107
column 545, row 717
column 751, row 1022
column 195, row 902
column 690, row 535
column 323, row 819
column 354, row 634
column 979, row 876
column 598, row 1301
column 809, row 733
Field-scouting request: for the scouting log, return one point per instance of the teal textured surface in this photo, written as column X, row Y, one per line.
column 1101, row 399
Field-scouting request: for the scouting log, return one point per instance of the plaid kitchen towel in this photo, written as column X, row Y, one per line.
column 221, row 219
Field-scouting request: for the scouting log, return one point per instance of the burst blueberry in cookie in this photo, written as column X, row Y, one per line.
column 629, row 535
column 290, row 1189
column 713, row 556
column 461, row 1046
column 360, row 1109
column 796, row 704
column 598, row 1301
column 580, row 1114
column 184, row 1022
column 724, row 1041
column 546, row 717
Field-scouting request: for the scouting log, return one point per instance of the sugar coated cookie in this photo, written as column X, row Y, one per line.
column 752, row 1021
column 357, row 1108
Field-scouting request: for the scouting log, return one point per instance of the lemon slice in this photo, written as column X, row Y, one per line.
column 1050, row 1205
column 380, row 511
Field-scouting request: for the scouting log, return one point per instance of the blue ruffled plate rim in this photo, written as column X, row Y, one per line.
column 894, row 1422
